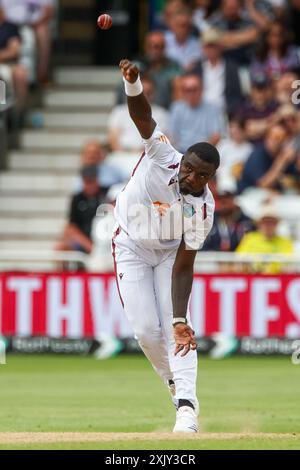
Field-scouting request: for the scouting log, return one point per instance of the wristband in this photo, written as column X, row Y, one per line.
column 179, row 320
column 133, row 89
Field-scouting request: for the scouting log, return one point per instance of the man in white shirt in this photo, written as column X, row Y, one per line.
column 220, row 76
column 164, row 215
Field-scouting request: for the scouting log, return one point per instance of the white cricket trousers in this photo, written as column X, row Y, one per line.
column 144, row 283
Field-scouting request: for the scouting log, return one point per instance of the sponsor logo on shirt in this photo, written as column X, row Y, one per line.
column 161, row 207
column 188, row 210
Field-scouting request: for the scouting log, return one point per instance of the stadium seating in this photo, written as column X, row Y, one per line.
column 35, row 189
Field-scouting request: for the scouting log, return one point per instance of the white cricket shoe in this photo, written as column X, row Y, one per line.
column 186, row 420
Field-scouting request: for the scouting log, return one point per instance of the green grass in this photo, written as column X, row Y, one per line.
column 80, row 394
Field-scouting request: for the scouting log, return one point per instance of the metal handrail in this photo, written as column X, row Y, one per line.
column 202, row 256
column 43, row 255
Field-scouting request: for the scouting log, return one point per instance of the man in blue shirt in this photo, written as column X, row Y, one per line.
column 193, row 119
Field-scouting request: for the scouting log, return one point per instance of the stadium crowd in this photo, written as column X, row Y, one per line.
column 224, row 71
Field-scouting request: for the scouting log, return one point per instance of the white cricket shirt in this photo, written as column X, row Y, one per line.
column 151, row 209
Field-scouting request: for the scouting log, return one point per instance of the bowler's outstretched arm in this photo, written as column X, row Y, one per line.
column 139, row 107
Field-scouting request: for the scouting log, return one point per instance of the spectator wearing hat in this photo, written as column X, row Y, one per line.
column 192, row 118
column 258, row 110
column 84, row 205
column 221, row 82
column 230, row 224
column 265, row 240
column 272, row 164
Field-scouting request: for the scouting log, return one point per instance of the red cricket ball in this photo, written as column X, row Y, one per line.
column 105, row 21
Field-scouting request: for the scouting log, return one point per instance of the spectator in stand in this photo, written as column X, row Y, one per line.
column 239, row 34
column 122, row 133
column 181, row 45
column 193, row 119
column 284, row 88
column 93, row 154
column 230, row 225
column 266, row 241
column 289, row 117
column 221, row 82
column 37, row 14
column 159, row 68
column 271, row 164
column 172, row 7
column 260, row 12
column 276, row 54
column 258, row 110
column 280, row 8
column 11, row 72
column 235, row 151
column 84, row 205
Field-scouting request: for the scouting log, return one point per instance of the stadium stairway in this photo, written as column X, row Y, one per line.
column 36, row 187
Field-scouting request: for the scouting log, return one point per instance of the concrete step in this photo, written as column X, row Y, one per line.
column 28, row 266
column 74, row 120
column 64, row 140
column 15, row 244
column 44, row 161
column 35, row 206
column 47, row 227
column 66, row 162
column 76, row 99
column 87, row 76
column 38, row 183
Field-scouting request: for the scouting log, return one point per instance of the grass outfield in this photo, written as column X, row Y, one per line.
column 257, row 399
